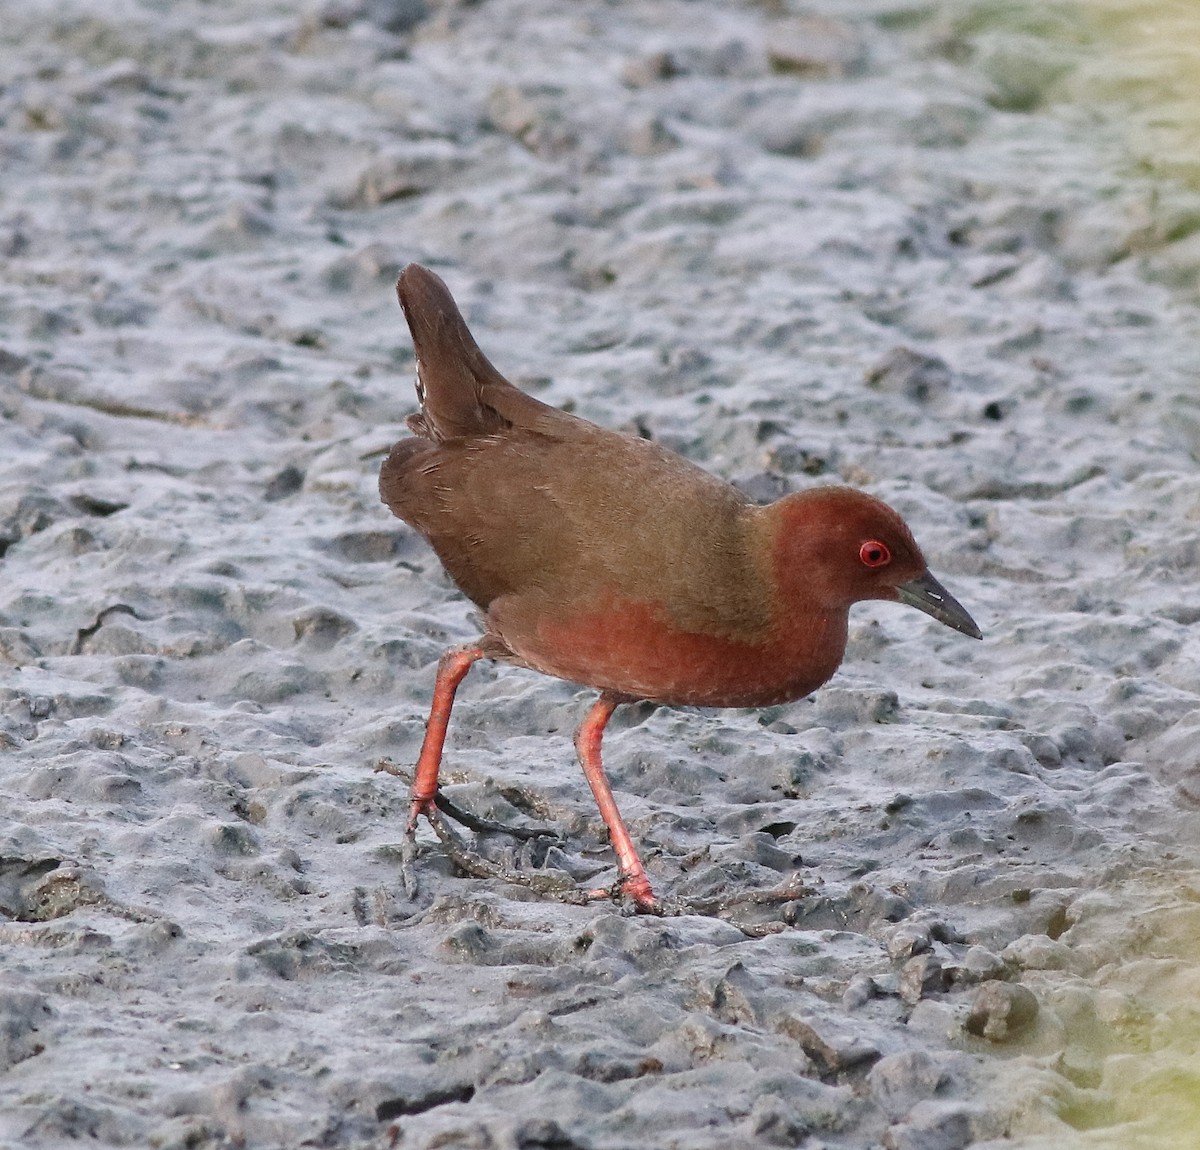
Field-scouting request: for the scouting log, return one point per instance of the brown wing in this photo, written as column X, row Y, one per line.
column 566, row 521
column 523, row 501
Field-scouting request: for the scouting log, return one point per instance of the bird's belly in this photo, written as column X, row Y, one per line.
column 631, row 648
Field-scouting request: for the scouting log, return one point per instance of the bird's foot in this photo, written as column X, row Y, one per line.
column 635, row 892
column 417, row 807
column 793, row 888
column 638, row 897
column 429, row 805
column 408, row 847
column 540, row 882
column 433, row 807
column 489, row 826
column 473, row 822
column 725, row 907
column 408, row 870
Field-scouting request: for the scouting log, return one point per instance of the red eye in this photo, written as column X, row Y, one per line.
column 874, row 554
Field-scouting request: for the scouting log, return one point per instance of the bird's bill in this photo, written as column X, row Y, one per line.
column 926, row 594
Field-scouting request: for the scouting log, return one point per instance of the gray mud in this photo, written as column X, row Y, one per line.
column 946, row 253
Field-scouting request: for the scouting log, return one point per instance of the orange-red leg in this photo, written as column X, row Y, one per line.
column 632, row 875
column 452, row 669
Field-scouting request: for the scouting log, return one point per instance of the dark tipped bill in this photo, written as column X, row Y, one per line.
column 926, row 594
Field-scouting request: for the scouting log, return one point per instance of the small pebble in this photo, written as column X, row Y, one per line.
column 1002, row 1011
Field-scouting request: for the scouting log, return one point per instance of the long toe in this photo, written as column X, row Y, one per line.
column 480, row 825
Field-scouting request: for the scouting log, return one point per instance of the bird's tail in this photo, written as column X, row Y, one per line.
column 451, row 370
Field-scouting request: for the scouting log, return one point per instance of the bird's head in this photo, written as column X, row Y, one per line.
column 835, row 546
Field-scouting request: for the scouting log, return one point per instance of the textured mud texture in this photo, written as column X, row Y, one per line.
column 944, row 252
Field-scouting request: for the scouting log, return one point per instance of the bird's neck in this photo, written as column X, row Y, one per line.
column 792, row 553
column 809, row 619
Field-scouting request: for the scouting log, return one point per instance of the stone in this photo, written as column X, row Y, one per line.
column 921, row 976
column 23, row 1012
column 859, row 991
column 814, row 46
column 909, row 939
column 933, row 1126
column 543, row 1134
column 979, row 965
column 773, row 1122
column 1039, row 952
column 832, row 1046
column 642, row 71
column 921, row 378
column 899, row 1081
column 1002, row 1011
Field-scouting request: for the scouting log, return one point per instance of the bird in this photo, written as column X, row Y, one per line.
column 607, row 560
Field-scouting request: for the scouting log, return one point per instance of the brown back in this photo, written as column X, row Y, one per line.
column 522, row 500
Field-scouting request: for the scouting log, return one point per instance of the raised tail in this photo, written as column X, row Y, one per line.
column 451, row 370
